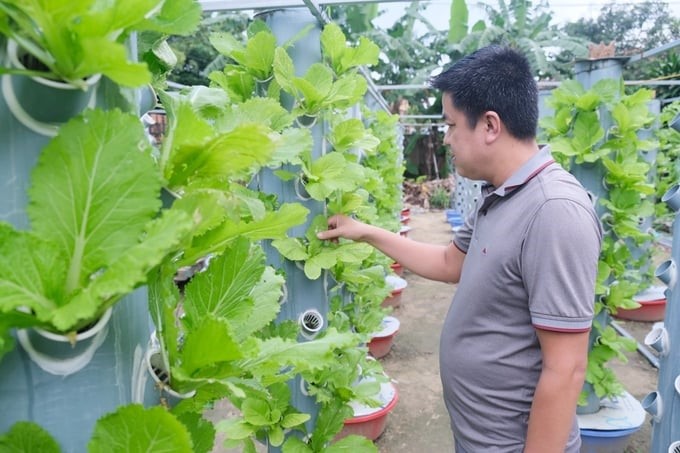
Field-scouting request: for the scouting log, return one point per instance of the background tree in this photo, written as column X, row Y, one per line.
column 195, row 53
column 528, row 28
column 635, row 28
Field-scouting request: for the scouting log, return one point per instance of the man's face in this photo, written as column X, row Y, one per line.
column 464, row 142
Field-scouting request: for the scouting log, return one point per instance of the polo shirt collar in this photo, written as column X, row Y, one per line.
column 531, row 168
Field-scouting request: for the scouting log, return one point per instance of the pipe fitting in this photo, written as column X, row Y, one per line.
column 674, row 447
column 652, row 404
column 658, row 340
column 667, row 272
column 672, row 197
column 311, row 323
column 675, row 123
column 677, row 385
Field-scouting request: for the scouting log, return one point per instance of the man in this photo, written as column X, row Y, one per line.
column 513, row 348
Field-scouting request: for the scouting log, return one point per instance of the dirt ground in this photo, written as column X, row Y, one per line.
column 419, row 422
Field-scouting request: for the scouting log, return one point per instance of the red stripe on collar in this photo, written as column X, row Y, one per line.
column 537, row 171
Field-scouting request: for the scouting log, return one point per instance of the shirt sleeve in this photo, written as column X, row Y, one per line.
column 559, row 263
column 464, row 234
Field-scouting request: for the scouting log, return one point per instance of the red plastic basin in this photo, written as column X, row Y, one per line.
column 652, row 306
column 373, row 424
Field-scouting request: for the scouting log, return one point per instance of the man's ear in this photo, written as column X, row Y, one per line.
column 492, row 126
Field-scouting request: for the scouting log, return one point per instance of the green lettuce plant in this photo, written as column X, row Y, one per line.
column 129, row 428
column 667, row 168
column 95, row 227
column 74, row 40
column 577, row 138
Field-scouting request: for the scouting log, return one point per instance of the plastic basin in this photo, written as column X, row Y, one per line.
column 652, row 306
column 605, row 441
column 394, row 299
column 371, row 422
column 381, row 342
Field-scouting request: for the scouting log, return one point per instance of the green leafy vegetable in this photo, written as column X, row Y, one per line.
column 27, row 437
column 95, row 231
column 134, row 428
column 81, row 38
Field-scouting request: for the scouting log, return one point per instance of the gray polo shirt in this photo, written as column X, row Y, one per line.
column 532, row 248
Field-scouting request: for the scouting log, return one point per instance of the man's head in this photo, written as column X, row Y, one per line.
column 496, row 79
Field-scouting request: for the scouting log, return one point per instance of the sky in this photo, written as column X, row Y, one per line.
column 563, row 11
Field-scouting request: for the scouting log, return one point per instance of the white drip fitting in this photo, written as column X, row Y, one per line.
column 674, row 447
column 658, row 340
column 677, row 386
column 652, row 404
column 311, row 323
column 667, row 273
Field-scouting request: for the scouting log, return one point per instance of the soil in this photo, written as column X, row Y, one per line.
column 419, row 421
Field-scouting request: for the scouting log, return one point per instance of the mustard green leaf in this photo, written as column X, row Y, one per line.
column 295, row 445
column 134, row 428
column 365, row 53
column 347, row 91
column 284, row 71
column 273, row 225
column 93, row 190
column 207, row 207
column 266, row 296
column 223, row 290
column 235, row 81
column 276, row 436
column 235, row 428
column 310, row 355
column 176, row 17
column 186, row 130
column 28, row 437
column 208, row 343
column 130, row 269
column 110, row 59
column 259, row 55
column 235, row 154
column 587, row 131
column 290, row 145
column 291, row 248
column 352, row 443
column 32, row 273
column 333, row 45
column 609, row 90
column 333, row 172
column 588, row 102
column 351, row 133
column 229, row 46
column 266, row 111
column 201, row 430
column 292, row 420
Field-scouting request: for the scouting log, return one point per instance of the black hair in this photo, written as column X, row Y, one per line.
column 494, row 78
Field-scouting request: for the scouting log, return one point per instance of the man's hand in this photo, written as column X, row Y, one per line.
column 341, row 226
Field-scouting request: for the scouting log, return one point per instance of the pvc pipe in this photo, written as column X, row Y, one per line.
column 60, row 355
column 667, row 272
column 672, row 197
column 311, row 323
column 653, row 405
column 675, row 123
column 646, row 353
column 658, row 340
